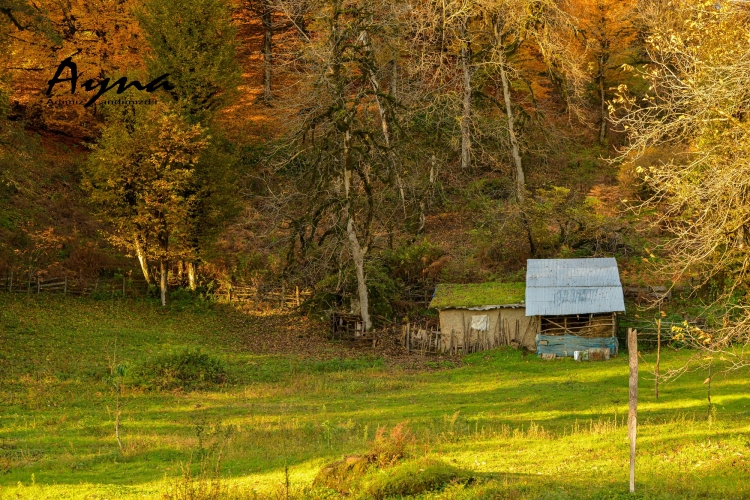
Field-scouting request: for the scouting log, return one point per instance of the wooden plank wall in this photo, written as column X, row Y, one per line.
column 582, row 325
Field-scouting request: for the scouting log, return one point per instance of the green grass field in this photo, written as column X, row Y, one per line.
column 513, row 425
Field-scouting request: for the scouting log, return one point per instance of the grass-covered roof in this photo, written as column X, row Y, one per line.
column 478, row 294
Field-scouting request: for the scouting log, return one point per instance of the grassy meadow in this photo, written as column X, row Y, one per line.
column 496, row 424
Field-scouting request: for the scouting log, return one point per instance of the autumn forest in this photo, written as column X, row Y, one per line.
column 197, row 197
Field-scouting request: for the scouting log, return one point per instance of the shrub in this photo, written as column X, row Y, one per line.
column 413, row 478
column 188, row 370
column 342, row 475
column 391, row 447
column 346, row 475
column 386, row 470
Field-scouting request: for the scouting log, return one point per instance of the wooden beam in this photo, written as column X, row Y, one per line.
column 633, row 400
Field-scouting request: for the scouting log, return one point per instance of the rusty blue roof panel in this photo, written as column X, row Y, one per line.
column 573, row 286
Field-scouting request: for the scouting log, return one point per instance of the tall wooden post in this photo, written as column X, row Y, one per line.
column 633, row 397
column 658, row 358
column 710, row 360
column 65, row 287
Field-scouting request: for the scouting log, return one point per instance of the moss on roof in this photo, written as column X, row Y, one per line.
column 479, row 294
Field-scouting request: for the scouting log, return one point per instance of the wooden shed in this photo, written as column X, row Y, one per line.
column 577, row 301
column 482, row 316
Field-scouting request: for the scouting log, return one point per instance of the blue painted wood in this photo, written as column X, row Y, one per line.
column 564, row 345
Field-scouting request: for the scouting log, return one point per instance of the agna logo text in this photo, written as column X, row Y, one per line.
column 102, row 85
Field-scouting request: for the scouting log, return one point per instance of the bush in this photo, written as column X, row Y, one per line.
column 413, row 478
column 342, row 475
column 346, row 475
column 389, row 448
column 188, row 370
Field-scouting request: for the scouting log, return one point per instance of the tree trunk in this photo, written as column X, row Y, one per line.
column 163, row 280
column 387, row 138
column 603, row 107
column 191, row 275
column 358, row 255
column 357, row 251
column 266, row 20
column 142, row 259
column 466, row 113
column 514, row 149
column 385, row 126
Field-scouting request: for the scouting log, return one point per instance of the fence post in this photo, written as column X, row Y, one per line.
column 65, row 289
column 38, row 285
column 658, row 358
column 408, row 337
column 633, row 400
column 10, row 285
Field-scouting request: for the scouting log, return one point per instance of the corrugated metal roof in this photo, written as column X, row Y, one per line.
column 573, row 286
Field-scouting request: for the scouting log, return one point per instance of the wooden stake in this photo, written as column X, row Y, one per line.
column 633, row 397
column 494, row 331
column 658, row 358
column 710, row 360
column 614, row 324
column 408, row 338
column 65, row 289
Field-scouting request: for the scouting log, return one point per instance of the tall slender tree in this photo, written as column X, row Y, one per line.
column 194, row 42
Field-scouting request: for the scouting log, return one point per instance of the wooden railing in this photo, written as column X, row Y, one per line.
column 125, row 286
column 277, row 296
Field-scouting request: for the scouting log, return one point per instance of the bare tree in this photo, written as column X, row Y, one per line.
column 345, row 153
column 696, row 115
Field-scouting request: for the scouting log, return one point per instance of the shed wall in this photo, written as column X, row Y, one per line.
column 522, row 328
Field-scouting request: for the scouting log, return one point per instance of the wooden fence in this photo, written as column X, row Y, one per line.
column 281, row 296
column 75, row 286
column 420, row 294
column 648, row 332
column 277, row 296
